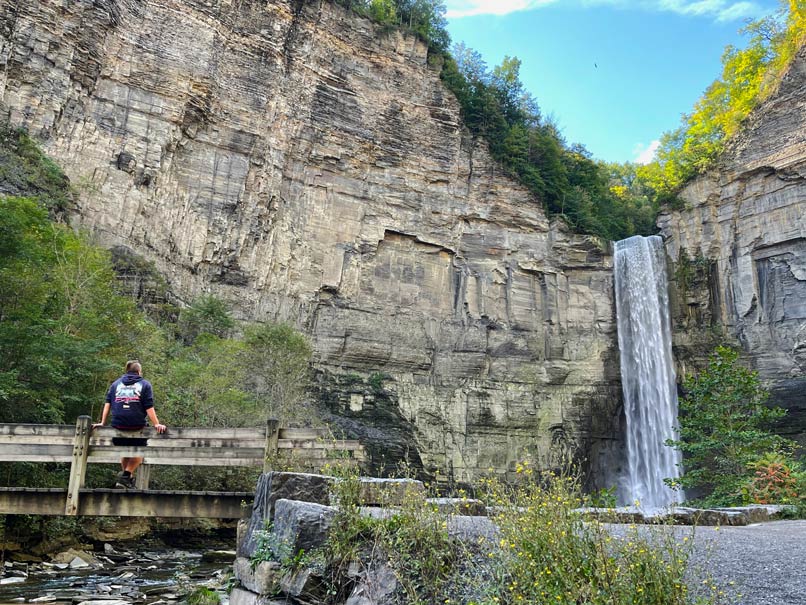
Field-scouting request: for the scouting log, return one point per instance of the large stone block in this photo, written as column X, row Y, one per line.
column 273, row 486
column 375, row 586
column 300, row 526
column 263, row 578
column 305, row 585
column 241, row 596
column 389, row 492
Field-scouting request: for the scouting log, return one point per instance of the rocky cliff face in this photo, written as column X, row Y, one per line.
column 306, row 166
column 739, row 249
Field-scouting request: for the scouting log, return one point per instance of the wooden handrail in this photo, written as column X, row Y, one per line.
column 180, row 446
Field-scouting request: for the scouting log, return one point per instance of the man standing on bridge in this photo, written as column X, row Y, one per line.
column 131, row 400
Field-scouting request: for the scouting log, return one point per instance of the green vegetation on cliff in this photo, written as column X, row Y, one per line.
column 593, row 197
column 749, row 76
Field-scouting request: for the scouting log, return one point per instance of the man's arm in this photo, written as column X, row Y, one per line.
column 104, row 416
column 152, row 416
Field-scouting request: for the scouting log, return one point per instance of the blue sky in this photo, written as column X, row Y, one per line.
column 614, row 74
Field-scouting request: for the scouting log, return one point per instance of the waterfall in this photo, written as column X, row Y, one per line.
column 647, row 371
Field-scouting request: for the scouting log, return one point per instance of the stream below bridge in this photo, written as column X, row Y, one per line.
column 117, row 577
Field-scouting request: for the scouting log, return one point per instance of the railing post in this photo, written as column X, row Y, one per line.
column 272, row 436
column 78, row 465
column 143, row 476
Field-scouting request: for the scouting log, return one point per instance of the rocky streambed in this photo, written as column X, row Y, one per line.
column 117, row 576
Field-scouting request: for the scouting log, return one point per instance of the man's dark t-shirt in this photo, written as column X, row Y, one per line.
column 130, row 396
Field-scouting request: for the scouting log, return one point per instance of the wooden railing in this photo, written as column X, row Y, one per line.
column 180, row 446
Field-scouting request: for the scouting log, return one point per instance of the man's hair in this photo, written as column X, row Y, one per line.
column 133, row 366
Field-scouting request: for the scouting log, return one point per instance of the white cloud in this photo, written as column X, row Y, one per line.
column 469, row 8
column 645, row 154
column 720, row 10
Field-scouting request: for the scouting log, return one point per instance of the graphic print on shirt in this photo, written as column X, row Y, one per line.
column 126, row 394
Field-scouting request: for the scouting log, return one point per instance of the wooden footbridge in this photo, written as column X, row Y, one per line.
column 80, row 445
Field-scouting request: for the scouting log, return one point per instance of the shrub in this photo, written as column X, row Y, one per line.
column 546, row 553
column 774, row 480
column 724, row 425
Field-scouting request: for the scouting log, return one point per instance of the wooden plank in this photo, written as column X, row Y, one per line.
column 142, row 477
column 78, row 465
column 169, row 442
column 186, row 433
column 165, row 455
column 174, row 461
column 291, row 433
column 21, row 453
column 297, row 444
column 48, row 430
column 16, row 457
column 26, row 440
column 129, row 503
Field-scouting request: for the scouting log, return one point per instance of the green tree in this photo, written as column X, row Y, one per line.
column 724, row 427
column 26, row 172
column 278, row 361
column 383, row 11
column 205, row 315
column 63, row 326
column 205, row 384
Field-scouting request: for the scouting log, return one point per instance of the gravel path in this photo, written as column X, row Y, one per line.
column 766, row 562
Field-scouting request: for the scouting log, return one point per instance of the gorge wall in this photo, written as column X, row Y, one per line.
column 306, row 166
column 738, row 250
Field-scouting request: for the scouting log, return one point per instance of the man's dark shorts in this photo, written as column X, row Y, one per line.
column 132, row 441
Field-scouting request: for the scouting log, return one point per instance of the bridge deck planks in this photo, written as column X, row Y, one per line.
column 181, row 446
column 129, row 503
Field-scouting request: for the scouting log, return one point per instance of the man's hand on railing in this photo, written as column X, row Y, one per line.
column 161, row 428
column 96, row 425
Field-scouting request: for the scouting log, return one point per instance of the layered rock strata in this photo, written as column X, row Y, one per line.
column 306, row 166
column 739, row 249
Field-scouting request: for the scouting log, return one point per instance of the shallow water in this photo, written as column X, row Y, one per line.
column 142, row 578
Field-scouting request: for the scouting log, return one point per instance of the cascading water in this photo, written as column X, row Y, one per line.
column 647, row 371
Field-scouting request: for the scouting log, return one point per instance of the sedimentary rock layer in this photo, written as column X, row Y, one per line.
column 307, row 166
column 739, row 248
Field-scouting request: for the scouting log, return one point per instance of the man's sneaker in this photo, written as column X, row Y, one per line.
column 124, row 481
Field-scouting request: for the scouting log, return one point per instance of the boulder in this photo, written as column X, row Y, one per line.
column 300, row 526
column 388, row 492
column 273, row 486
column 78, row 563
column 306, row 585
column 218, row 556
column 263, row 578
column 375, row 586
column 241, row 596
column 69, row 557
